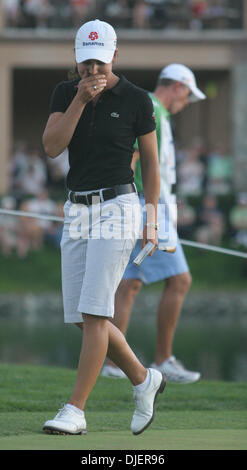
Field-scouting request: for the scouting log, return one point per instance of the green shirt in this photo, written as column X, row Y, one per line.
column 166, row 151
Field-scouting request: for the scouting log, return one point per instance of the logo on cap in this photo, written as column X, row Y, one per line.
column 93, row 35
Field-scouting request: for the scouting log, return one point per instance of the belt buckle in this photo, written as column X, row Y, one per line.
column 89, row 197
column 96, row 194
column 93, row 195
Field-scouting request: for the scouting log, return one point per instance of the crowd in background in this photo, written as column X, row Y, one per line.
column 208, row 209
column 37, row 184
column 137, row 14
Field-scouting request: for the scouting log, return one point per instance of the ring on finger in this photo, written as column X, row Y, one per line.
column 95, row 87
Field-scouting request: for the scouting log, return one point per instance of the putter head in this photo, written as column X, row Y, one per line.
column 168, row 249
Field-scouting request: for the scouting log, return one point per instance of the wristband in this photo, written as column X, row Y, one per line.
column 155, row 226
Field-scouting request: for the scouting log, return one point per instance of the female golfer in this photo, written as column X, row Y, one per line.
column 98, row 118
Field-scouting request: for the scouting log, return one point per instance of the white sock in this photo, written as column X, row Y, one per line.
column 141, row 387
column 74, row 408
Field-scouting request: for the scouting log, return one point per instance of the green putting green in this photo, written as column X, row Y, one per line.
column 206, row 415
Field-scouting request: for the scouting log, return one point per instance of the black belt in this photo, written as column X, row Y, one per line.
column 104, row 195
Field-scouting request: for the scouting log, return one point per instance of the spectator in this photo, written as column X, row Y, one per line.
column 54, row 234
column 176, row 14
column 200, row 148
column 191, row 174
column 37, row 13
column 211, row 221
column 199, row 145
column 9, row 228
column 11, row 12
column 186, row 219
column 157, row 13
column 217, row 15
column 238, row 220
column 199, row 9
column 140, row 15
column 58, row 169
column 11, row 237
column 80, row 10
column 119, row 13
column 34, row 230
column 62, row 14
column 32, row 175
column 18, row 167
column 28, row 13
column 44, row 12
column 219, row 171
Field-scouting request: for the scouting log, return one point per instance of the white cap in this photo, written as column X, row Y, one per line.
column 95, row 40
column 182, row 74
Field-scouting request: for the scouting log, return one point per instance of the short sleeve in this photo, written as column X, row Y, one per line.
column 145, row 118
column 58, row 99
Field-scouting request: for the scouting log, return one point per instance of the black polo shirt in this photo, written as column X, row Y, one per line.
column 101, row 149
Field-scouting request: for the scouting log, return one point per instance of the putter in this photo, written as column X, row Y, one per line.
column 148, row 248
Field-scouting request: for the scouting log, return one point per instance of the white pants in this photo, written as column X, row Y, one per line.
column 92, row 266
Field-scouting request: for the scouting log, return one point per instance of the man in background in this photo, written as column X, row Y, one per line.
column 175, row 89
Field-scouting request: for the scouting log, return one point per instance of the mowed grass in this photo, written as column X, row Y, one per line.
column 205, row 415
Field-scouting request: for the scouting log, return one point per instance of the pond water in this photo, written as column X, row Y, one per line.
column 211, row 336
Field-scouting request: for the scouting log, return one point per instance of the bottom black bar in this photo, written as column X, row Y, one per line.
column 115, row 459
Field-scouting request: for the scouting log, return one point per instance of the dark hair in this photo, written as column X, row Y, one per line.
column 166, row 82
column 73, row 73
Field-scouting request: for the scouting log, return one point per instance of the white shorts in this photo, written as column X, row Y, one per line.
column 92, row 265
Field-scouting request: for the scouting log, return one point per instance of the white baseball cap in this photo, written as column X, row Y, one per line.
column 95, row 40
column 182, row 74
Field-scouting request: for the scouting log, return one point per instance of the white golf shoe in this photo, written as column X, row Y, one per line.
column 175, row 371
column 110, row 371
column 145, row 402
column 67, row 421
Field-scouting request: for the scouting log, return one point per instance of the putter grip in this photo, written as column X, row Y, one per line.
column 143, row 253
